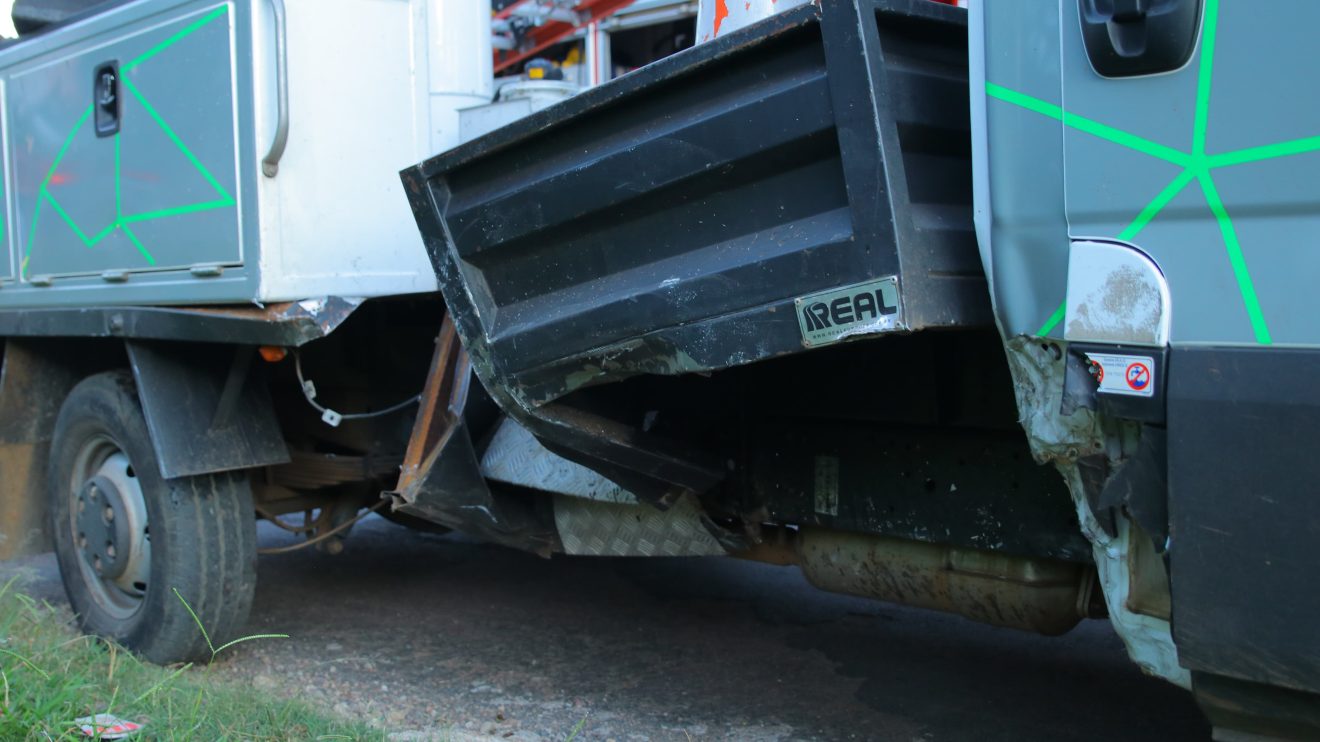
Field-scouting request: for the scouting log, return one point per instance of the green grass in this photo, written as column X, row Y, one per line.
column 215, row 651
column 51, row 675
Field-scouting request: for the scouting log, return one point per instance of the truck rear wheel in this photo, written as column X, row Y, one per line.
column 126, row 538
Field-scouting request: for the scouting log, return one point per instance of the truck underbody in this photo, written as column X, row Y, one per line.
column 734, row 303
column 625, row 330
column 647, row 278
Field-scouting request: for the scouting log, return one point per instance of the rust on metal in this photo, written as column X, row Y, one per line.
column 314, row 318
column 1042, row 595
column 308, row 470
column 440, row 480
column 285, row 324
column 442, row 405
column 771, row 545
column 1148, row 580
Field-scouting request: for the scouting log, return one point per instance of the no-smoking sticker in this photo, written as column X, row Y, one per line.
column 1137, row 377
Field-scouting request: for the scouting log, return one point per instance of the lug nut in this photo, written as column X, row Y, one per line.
column 109, row 513
column 110, row 550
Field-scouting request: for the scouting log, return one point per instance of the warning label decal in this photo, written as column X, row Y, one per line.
column 1130, row 375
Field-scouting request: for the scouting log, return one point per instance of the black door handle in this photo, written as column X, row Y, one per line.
column 1129, row 11
column 105, row 98
column 1139, row 37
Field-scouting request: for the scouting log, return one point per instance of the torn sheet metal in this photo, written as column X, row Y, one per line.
column 597, row 528
column 1149, row 640
column 1038, row 375
column 285, row 324
column 449, row 490
column 440, row 479
column 515, row 456
column 654, row 469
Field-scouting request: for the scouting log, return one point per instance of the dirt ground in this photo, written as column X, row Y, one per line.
column 441, row 637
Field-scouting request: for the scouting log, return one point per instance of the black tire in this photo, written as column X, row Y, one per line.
column 199, row 535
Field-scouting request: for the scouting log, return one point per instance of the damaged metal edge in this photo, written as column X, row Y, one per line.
column 1038, row 375
column 515, row 456
column 285, row 324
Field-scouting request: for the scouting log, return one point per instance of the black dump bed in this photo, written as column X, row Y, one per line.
column 800, row 182
column 31, row 16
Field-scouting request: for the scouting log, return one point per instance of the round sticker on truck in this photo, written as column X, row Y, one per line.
column 1138, row 376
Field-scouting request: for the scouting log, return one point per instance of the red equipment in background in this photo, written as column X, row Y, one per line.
column 526, row 27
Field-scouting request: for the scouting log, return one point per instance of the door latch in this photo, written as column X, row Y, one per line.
column 1125, row 38
column 105, row 99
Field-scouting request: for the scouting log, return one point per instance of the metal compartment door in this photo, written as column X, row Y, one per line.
column 124, row 149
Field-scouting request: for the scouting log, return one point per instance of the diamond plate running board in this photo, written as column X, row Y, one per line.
column 514, row 456
column 594, row 516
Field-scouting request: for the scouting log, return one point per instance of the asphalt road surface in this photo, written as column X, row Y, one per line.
column 441, row 637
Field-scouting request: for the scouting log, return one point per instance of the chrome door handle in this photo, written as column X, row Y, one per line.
column 270, row 164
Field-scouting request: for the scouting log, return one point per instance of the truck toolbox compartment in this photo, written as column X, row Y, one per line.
column 141, row 159
column 682, row 218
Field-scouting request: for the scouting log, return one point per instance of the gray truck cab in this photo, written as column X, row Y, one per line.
column 1144, row 190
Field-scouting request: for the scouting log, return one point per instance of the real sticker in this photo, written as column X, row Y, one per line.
column 1133, row 376
column 838, row 314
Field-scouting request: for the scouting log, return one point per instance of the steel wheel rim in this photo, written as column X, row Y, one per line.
column 101, row 461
